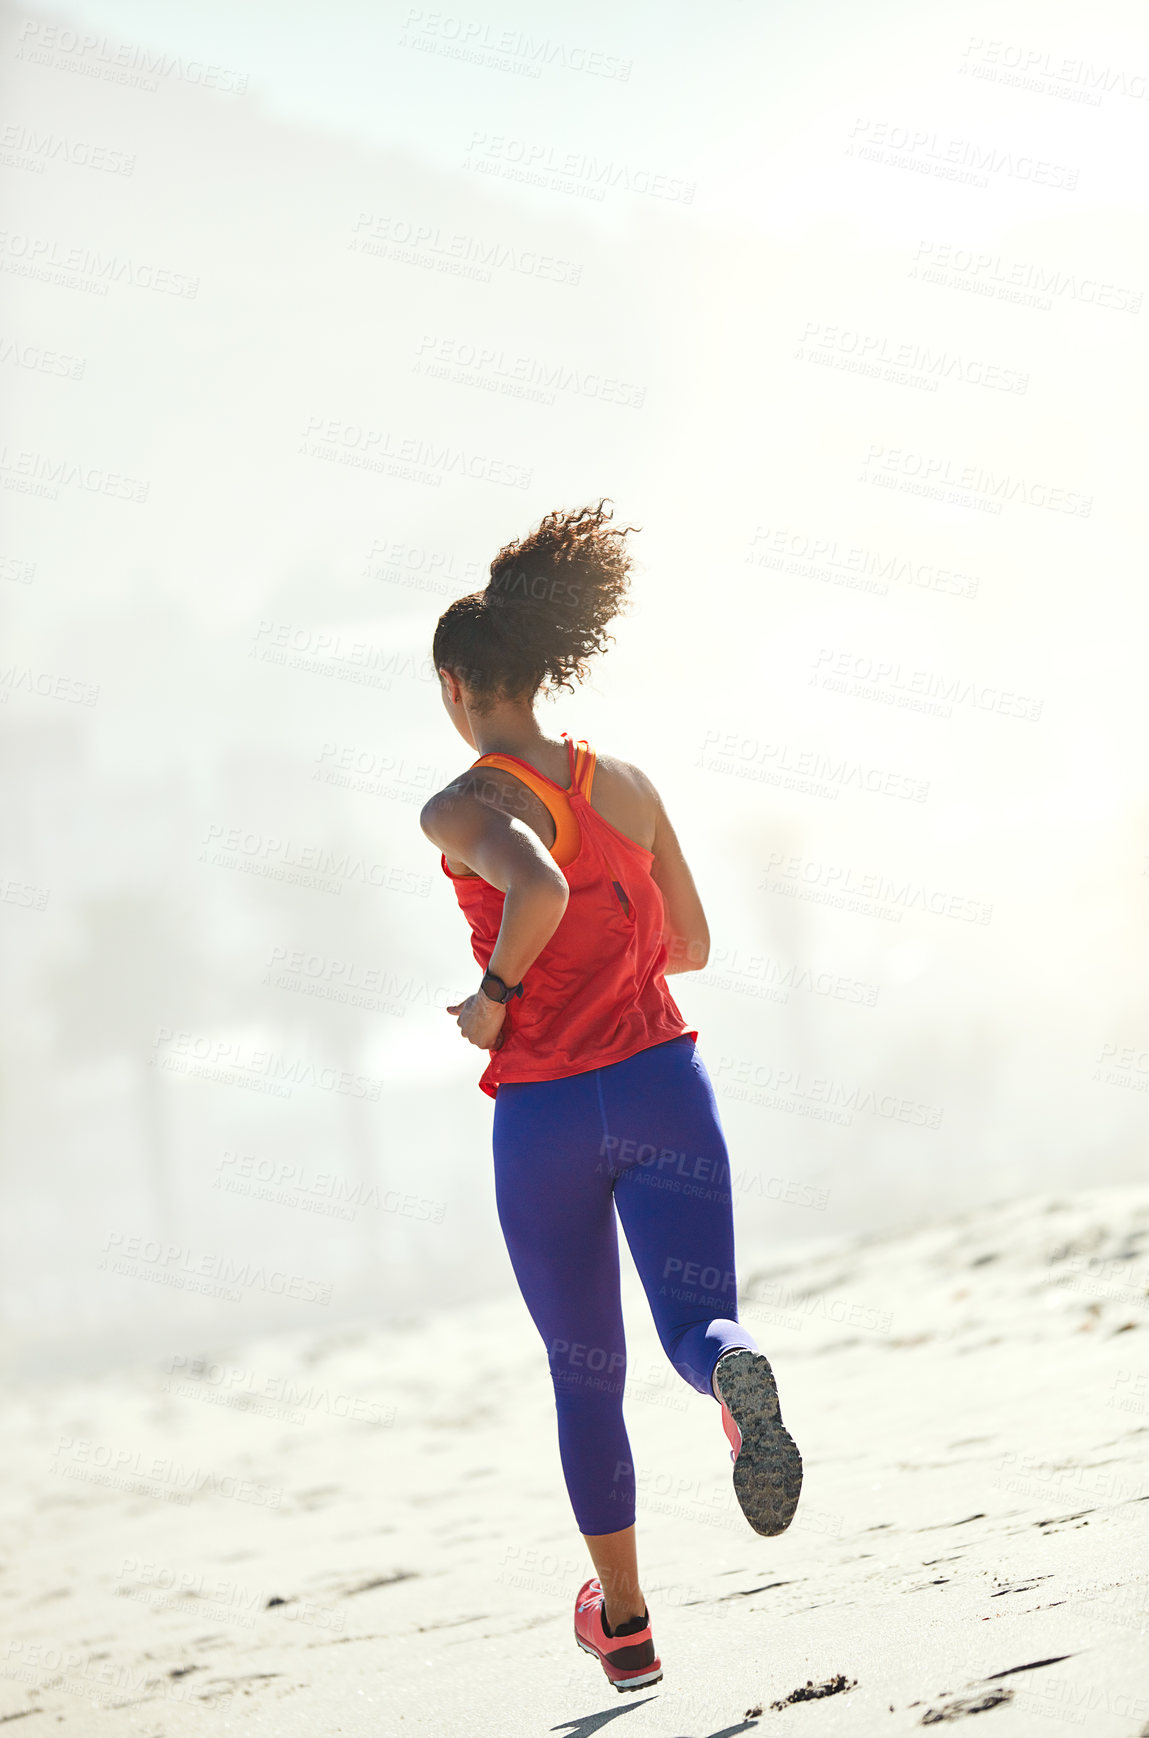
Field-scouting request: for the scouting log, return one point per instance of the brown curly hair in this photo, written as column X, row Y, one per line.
column 544, row 610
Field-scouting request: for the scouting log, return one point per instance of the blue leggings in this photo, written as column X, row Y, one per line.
column 643, row 1136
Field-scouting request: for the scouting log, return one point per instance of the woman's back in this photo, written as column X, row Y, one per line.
column 626, row 799
column 597, row 991
column 621, row 794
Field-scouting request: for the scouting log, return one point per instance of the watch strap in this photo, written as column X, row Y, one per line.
column 508, row 990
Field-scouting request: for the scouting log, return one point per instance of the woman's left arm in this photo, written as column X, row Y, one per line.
column 687, row 933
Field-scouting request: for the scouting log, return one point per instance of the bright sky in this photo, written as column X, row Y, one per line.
column 815, row 349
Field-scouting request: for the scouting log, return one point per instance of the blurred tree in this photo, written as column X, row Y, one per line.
column 137, row 962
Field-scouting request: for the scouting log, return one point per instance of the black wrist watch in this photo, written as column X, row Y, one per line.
column 495, row 990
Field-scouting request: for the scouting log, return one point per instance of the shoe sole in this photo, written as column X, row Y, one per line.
column 768, row 1470
column 653, row 1677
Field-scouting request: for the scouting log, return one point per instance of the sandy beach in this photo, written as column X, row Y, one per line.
column 367, row 1532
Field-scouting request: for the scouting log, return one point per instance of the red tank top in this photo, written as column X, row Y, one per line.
column 597, row 992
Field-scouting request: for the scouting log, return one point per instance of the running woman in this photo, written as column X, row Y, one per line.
column 580, row 904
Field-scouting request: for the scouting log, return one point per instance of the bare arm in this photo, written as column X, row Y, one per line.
column 509, row 855
column 687, row 932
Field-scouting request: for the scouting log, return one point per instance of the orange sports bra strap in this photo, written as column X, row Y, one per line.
column 582, row 759
column 555, row 800
column 527, row 774
column 585, row 777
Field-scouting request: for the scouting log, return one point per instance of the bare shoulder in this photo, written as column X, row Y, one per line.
column 624, row 795
column 624, row 775
column 437, row 813
column 461, row 805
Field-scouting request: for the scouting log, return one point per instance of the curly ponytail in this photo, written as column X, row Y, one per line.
column 544, row 611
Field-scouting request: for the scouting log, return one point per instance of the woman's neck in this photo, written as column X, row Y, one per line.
column 508, row 729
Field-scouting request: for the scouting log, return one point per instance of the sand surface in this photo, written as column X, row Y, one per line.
column 366, row 1532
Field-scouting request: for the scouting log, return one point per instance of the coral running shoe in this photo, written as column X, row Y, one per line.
column 767, row 1465
column 628, row 1657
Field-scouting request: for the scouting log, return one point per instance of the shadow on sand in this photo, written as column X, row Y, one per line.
column 589, row 1723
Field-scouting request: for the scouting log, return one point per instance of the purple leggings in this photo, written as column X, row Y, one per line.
column 643, row 1136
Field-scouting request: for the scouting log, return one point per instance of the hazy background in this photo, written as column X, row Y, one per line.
column 237, row 501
